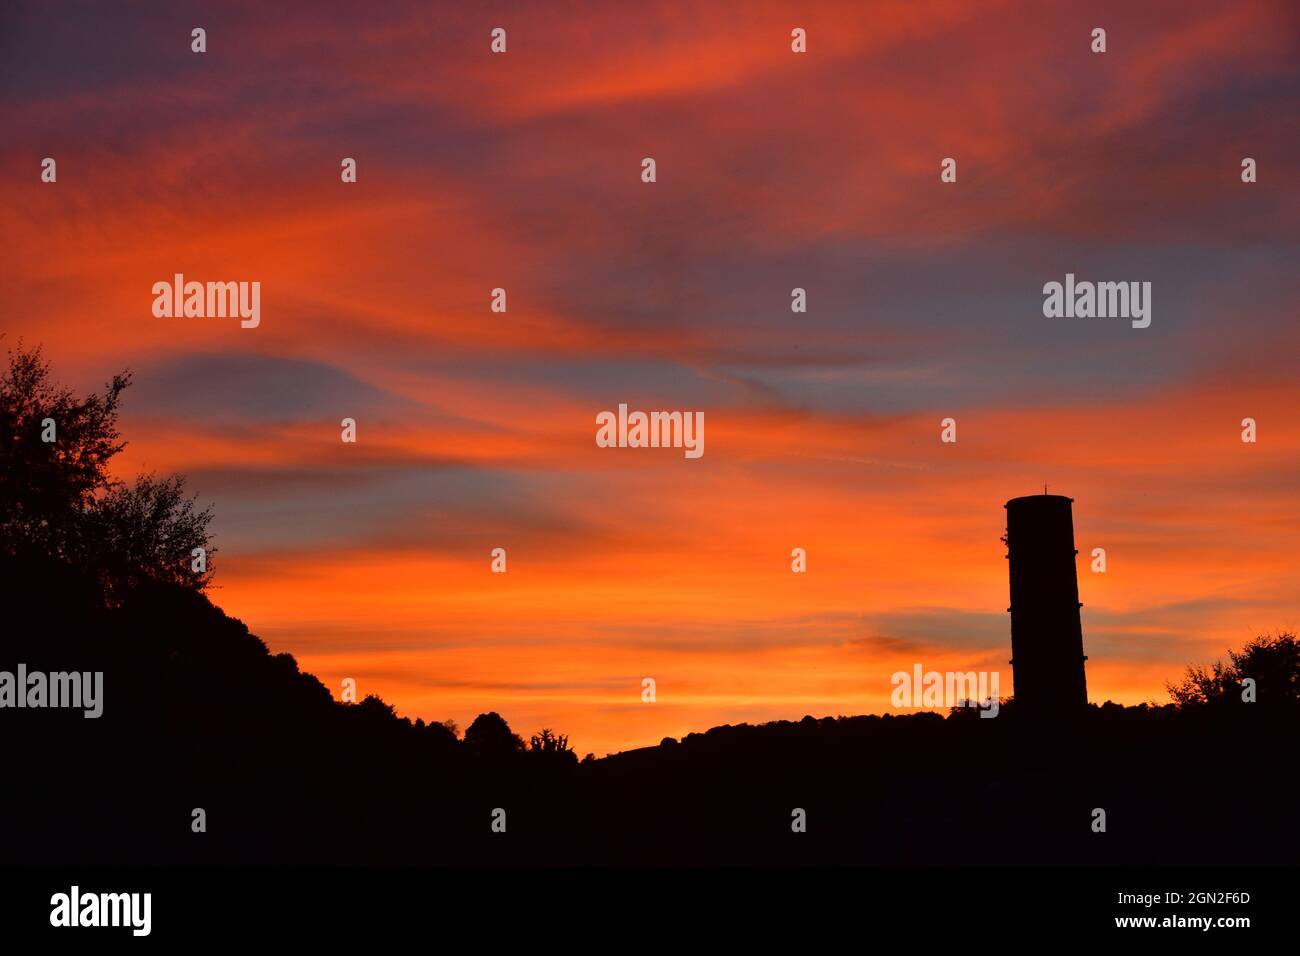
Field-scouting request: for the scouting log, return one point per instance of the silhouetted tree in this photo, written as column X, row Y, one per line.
column 58, row 500
column 374, row 707
column 46, row 487
column 1201, row 685
column 490, row 736
column 441, row 736
column 150, row 531
column 1273, row 662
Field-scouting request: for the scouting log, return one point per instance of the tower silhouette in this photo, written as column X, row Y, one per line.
column 1046, row 633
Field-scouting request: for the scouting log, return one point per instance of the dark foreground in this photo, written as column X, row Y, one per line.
column 197, row 714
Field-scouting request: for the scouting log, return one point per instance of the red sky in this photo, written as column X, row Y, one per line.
column 775, row 170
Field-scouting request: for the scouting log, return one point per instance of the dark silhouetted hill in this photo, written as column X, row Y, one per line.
column 197, row 713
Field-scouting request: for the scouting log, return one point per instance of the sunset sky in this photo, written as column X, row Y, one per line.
column 775, row 170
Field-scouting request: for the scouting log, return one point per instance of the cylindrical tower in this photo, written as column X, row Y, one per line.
column 1046, row 634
